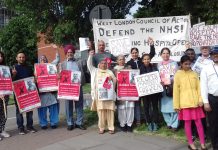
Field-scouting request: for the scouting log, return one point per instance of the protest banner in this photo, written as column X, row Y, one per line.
column 69, row 85
column 83, row 44
column 120, row 46
column 5, row 81
column 171, row 32
column 105, row 89
column 47, row 78
column 204, row 36
column 148, row 83
column 200, row 64
column 198, row 25
column 26, row 94
column 126, row 88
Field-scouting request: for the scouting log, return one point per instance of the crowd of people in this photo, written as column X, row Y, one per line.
column 188, row 97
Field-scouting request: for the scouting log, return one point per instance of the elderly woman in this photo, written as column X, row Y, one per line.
column 105, row 108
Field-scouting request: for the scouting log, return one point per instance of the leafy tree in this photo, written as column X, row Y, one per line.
column 206, row 10
column 63, row 21
column 19, row 35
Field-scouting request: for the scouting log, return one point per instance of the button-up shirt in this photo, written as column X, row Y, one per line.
column 209, row 81
column 72, row 65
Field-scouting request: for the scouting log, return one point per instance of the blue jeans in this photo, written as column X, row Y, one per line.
column 19, row 117
column 53, row 115
column 78, row 109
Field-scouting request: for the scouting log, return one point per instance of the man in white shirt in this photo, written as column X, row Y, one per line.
column 209, row 92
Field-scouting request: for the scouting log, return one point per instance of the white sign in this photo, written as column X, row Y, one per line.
column 204, row 36
column 171, row 32
column 148, row 83
column 83, row 44
column 105, row 93
column 198, row 25
column 200, row 63
column 120, row 46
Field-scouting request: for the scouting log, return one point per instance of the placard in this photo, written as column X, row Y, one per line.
column 171, row 32
column 69, row 85
column 83, row 44
column 26, row 94
column 200, row 63
column 5, row 81
column 148, row 83
column 126, row 88
column 120, row 46
column 47, row 78
column 105, row 89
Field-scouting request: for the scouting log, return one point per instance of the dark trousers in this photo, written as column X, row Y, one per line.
column 150, row 103
column 137, row 111
column 213, row 120
column 20, row 120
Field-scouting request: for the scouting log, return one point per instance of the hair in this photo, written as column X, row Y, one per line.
column 190, row 49
column 20, row 51
column 134, row 48
column 119, row 57
column 145, row 55
column 184, row 59
column 46, row 60
column 3, row 56
column 165, row 48
column 101, row 41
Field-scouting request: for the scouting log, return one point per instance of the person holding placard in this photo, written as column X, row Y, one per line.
column 167, row 69
column 3, row 106
column 105, row 106
column 71, row 64
column 187, row 100
column 125, row 107
column 49, row 101
column 150, row 102
column 102, row 54
column 21, row 71
column 135, row 62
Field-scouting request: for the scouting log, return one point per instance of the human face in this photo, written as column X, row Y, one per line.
column 101, row 46
column 43, row 60
column 103, row 65
column 146, row 60
column 191, row 55
column 21, row 58
column 186, row 65
column 70, row 54
column 134, row 54
column 165, row 55
column 121, row 61
column 215, row 58
column 1, row 58
column 205, row 51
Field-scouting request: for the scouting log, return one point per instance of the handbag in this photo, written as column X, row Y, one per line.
column 169, row 90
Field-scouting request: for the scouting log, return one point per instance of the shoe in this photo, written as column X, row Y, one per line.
column 22, row 131
column 5, row 134
column 169, row 127
column 129, row 129
column 44, row 127
column 155, row 127
column 189, row 147
column 101, row 131
column 150, row 128
column 82, row 127
column 124, row 129
column 204, row 148
column 31, row 129
column 54, row 126
column 174, row 129
column 111, row 132
column 70, row 127
column 0, row 139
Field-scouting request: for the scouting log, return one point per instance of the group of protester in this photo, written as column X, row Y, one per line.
column 184, row 97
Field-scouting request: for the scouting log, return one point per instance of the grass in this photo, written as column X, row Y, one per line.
column 87, row 88
column 91, row 117
column 163, row 131
column 11, row 100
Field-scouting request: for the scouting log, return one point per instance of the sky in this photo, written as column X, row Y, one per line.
column 133, row 10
